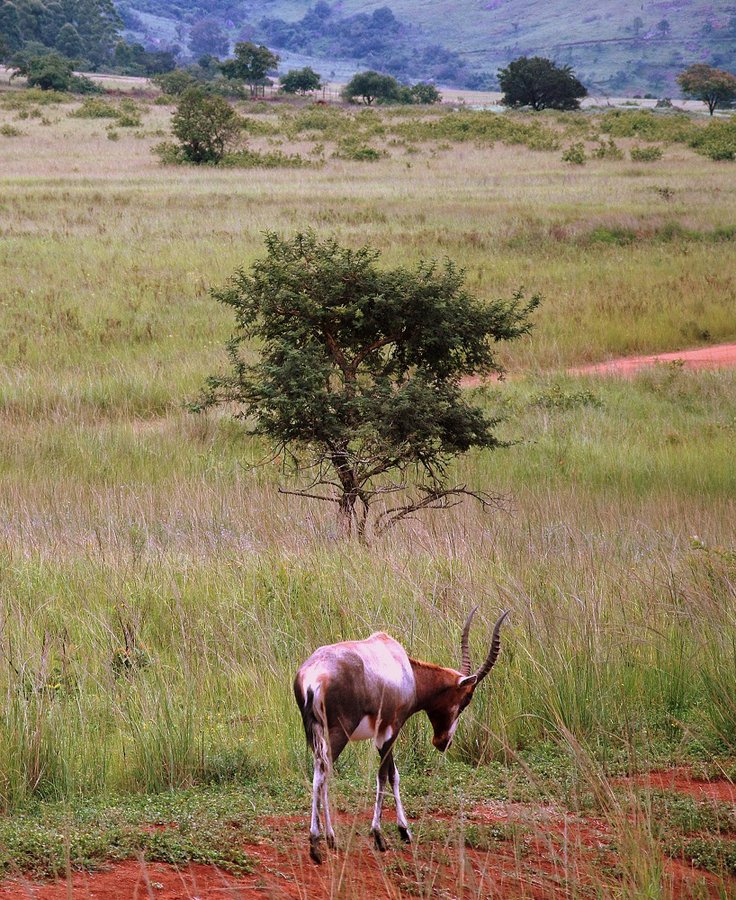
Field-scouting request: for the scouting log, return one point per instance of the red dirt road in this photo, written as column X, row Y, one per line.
column 722, row 356
column 529, row 851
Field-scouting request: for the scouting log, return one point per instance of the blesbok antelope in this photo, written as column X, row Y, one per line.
column 362, row 690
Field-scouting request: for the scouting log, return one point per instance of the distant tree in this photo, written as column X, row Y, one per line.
column 10, row 28
column 712, row 86
column 207, row 36
column 538, row 82
column 205, row 125
column 300, row 81
column 176, row 82
column 68, row 42
column 370, row 86
column 251, row 64
column 358, row 376
column 423, row 92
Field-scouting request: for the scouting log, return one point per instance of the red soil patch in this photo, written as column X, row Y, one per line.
column 683, row 781
column 722, row 356
column 546, row 854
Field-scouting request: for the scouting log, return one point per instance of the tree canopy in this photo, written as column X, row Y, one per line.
column 370, row 86
column 712, row 86
column 538, row 82
column 300, row 81
column 358, row 377
column 206, row 36
column 251, row 64
column 81, row 29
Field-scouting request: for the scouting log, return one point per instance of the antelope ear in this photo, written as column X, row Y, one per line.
column 467, row 680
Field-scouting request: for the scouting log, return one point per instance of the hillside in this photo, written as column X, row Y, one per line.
column 617, row 46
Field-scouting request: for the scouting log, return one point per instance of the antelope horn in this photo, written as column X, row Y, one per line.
column 465, row 665
column 493, row 652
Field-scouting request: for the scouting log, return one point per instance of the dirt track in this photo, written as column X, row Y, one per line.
column 721, row 356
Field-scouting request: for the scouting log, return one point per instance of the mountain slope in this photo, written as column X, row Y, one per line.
column 614, row 45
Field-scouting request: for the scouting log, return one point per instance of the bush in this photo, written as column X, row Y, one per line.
column 648, row 126
column 80, row 84
column 205, row 126
column 274, row 159
column 717, row 141
column 358, row 152
column 175, row 83
column 607, row 150
column 95, row 108
column 51, row 72
column 645, row 154
column 575, row 154
column 423, row 92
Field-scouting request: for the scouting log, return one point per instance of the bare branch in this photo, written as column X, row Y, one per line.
column 309, row 495
column 436, row 498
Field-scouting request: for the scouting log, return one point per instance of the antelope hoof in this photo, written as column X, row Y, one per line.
column 315, row 850
column 379, row 840
column 405, row 834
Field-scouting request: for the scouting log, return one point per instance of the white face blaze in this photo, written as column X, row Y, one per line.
column 453, row 727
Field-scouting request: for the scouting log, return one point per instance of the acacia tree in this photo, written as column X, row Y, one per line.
column 358, row 381
column 712, row 86
column 538, row 82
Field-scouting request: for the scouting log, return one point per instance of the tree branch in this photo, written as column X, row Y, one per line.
column 309, row 495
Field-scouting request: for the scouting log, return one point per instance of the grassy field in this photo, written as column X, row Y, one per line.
column 157, row 593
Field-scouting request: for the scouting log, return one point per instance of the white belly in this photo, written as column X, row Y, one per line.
column 367, row 731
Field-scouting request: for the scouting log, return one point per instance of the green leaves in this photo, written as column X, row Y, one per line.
column 360, row 367
column 538, row 82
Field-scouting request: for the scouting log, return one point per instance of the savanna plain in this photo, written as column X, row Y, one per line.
column 157, row 593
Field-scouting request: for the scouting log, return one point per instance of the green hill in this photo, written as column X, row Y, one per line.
column 615, row 46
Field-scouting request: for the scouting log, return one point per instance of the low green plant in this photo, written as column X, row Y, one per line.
column 358, row 152
column 556, row 397
column 645, row 154
column 95, row 108
column 575, row 154
column 607, row 150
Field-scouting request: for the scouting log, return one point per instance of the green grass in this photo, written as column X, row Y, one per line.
column 158, row 594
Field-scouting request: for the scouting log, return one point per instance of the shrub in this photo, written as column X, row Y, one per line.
column 95, row 108
column 274, row 159
column 358, row 152
column 556, row 397
column 645, row 154
column 575, row 154
column 648, row 126
column 608, row 150
column 205, row 126
column 717, row 141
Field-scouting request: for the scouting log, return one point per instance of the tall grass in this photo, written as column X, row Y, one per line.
column 157, row 594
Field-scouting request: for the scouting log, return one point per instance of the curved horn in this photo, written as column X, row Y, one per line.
column 493, row 652
column 465, row 665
